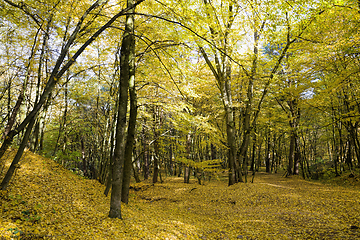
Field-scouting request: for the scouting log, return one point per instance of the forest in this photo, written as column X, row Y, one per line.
column 139, row 100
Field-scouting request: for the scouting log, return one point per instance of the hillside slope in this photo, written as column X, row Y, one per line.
column 46, row 201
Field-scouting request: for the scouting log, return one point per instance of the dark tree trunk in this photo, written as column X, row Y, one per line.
column 130, row 140
column 188, row 153
column 155, row 169
column 296, row 156
column 291, row 153
column 267, row 152
column 119, row 153
column 15, row 163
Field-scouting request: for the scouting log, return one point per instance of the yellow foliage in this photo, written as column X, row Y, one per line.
column 207, row 166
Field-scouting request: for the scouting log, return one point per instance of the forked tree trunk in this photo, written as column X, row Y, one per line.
column 119, row 153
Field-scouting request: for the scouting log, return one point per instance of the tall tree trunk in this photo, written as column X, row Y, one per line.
column 155, row 155
column 111, row 153
column 37, row 132
column 119, row 152
column 128, row 166
column 247, row 128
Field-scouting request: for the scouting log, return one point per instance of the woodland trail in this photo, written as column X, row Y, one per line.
column 271, row 208
column 46, row 201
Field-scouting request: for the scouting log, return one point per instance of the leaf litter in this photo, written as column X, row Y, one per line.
column 46, row 201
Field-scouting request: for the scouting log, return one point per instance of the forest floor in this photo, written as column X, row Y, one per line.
column 46, row 201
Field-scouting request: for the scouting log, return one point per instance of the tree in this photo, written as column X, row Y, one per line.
column 59, row 69
column 127, row 78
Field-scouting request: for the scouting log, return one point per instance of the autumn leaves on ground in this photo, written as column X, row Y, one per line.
column 45, row 201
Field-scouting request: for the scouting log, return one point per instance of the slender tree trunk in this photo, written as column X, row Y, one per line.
column 65, row 138
column 36, row 133
column 258, row 161
column 111, row 153
column 15, row 163
column 252, row 167
column 230, row 126
column 146, row 152
column 188, row 153
column 297, row 157
column 136, row 173
column 171, row 163
column 128, row 166
column 156, row 121
column 135, row 166
column 119, row 152
column 267, row 151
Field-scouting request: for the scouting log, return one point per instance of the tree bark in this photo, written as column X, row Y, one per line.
column 128, row 166
column 267, row 151
column 291, row 153
column 119, row 152
column 188, row 153
column 15, row 163
column 146, row 152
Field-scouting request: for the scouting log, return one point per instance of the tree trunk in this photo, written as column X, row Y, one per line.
column 37, row 132
column 146, row 152
column 291, row 153
column 128, row 166
column 156, row 121
column 267, row 152
column 135, row 168
column 15, row 163
column 296, row 156
column 119, row 152
column 188, row 153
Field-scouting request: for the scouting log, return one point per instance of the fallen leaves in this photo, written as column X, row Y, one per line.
column 47, row 201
